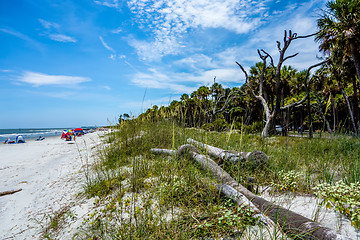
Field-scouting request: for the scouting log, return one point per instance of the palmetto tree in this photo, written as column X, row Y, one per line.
column 339, row 30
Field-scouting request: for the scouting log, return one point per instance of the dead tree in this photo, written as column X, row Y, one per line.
column 270, row 114
column 292, row 223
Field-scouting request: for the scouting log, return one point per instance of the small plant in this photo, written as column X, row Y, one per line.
column 288, row 181
column 226, row 219
column 344, row 197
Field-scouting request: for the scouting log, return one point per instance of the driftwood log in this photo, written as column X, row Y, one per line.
column 226, row 189
column 293, row 224
column 256, row 158
column 9, row 192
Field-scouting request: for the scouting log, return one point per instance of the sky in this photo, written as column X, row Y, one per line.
column 69, row 63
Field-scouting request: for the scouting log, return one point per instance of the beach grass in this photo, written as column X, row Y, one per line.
column 162, row 197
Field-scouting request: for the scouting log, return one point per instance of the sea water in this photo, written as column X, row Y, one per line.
column 29, row 133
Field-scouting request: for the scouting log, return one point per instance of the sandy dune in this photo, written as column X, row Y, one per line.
column 49, row 172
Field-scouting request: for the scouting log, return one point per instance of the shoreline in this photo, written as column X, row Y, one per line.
column 49, row 172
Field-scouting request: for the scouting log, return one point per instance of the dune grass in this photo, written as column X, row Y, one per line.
column 161, row 197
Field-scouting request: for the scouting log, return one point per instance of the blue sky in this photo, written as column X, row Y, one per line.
column 68, row 63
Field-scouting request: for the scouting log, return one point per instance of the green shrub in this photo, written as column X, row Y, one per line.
column 344, row 197
column 218, row 125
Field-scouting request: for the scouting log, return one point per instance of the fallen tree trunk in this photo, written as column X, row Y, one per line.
column 257, row 158
column 9, row 192
column 293, row 224
column 227, row 190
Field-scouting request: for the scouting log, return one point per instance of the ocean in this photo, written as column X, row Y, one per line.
column 29, row 133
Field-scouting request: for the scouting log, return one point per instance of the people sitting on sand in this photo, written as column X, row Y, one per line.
column 40, row 138
column 68, row 137
column 7, row 140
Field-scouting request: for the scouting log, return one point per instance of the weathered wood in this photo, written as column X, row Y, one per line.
column 292, row 223
column 226, row 189
column 240, row 199
column 257, row 158
column 9, row 192
column 163, row 151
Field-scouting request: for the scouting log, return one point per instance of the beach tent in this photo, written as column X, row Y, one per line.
column 68, row 132
column 20, row 139
column 79, row 131
column 63, row 135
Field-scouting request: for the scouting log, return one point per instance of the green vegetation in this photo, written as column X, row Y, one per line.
column 344, row 197
column 140, row 194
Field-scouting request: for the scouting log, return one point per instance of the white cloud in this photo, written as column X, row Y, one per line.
column 155, row 50
column 186, row 82
column 41, row 79
column 53, row 31
column 105, row 44
column 112, row 57
column 169, row 20
column 108, row 3
column 62, row 38
column 48, row 25
column 116, row 31
column 157, row 80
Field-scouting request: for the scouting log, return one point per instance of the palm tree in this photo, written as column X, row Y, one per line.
column 339, row 30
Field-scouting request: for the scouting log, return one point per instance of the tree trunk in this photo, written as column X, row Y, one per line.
column 334, row 111
column 349, row 110
column 355, row 56
column 356, row 103
column 309, row 116
column 292, row 223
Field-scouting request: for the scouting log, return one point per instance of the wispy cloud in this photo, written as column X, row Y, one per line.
column 105, row 44
column 6, row 70
column 185, row 82
column 53, row 31
column 48, row 25
column 108, row 3
column 62, row 38
column 41, row 79
column 118, row 30
column 23, row 37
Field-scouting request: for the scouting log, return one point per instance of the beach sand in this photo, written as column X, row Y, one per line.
column 49, row 172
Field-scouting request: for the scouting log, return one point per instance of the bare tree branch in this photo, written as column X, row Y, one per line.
column 306, row 36
column 307, row 83
column 291, row 56
column 246, row 75
column 278, row 45
column 271, row 59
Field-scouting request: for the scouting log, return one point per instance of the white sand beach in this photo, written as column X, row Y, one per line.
column 49, row 172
